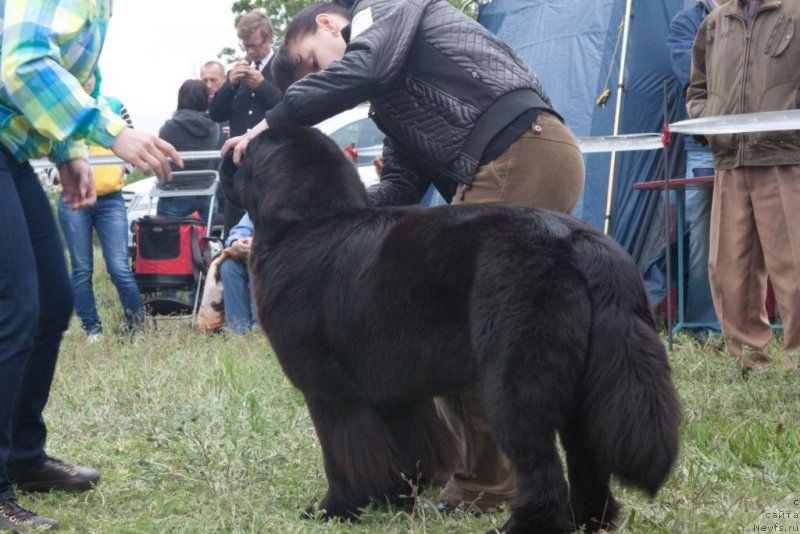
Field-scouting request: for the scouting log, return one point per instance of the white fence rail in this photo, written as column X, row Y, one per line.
column 767, row 121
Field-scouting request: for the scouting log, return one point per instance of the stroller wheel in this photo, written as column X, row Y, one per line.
column 168, row 306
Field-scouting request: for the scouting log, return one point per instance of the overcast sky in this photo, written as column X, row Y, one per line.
column 152, row 46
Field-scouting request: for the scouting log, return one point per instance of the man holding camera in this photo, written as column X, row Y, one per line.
column 248, row 92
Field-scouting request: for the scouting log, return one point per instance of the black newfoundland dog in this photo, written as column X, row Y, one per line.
column 373, row 312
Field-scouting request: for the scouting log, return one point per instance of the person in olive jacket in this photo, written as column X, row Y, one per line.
column 745, row 59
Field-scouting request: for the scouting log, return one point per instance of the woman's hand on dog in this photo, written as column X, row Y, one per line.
column 240, row 249
column 146, row 152
column 239, row 143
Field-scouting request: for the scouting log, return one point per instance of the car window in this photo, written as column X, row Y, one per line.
column 369, row 134
column 367, row 153
column 142, row 204
column 361, row 133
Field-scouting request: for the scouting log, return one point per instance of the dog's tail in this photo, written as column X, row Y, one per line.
column 629, row 407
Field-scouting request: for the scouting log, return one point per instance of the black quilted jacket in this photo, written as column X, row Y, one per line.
column 441, row 86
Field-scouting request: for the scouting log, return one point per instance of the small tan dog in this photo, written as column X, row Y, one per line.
column 211, row 315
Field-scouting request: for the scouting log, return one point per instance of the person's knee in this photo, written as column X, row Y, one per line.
column 225, row 267
column 231, row 269
column 56, row 304
column 19, row 303
column 19, row 324
column 119, row 271
column 25, row 316
column 81, row 268
column 19, row 317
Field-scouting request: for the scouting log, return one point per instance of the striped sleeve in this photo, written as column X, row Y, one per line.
column 126, row 116
column 36, row 82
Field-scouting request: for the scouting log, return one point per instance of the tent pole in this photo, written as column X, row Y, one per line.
column 668, row 216
column 618, row 112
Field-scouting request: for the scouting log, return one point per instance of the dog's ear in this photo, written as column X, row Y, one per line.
column 279, row 208
column 229, row 182
column 265, row 186
column 292, row 175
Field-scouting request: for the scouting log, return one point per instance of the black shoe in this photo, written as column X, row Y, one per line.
column 15, row 518
column 55, row 475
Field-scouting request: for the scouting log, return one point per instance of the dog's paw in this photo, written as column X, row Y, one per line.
column 515, row 526
column 319, row 513
column 313, row 513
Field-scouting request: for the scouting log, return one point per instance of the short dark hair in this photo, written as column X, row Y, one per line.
column 193, row 94
column 286, row 63
column 214, row 63
column 305, row 22
column 284, row 67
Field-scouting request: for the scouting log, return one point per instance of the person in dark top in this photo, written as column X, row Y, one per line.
column 461, row 111
column 699, row 162
column 248, row 91
column 213, row 75
column 190, row 129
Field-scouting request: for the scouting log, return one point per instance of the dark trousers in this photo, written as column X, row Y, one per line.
column 35, row 307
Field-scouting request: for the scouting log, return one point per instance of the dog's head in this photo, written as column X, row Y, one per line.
column 290, row 176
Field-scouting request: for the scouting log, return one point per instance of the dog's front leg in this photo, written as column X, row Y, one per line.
column 342, row 499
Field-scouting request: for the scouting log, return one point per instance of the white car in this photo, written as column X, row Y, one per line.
column 138, row 202
column 355, row 129
column 137, row 196
column 352, row 128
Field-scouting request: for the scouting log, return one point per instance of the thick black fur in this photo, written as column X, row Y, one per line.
column 372, row 312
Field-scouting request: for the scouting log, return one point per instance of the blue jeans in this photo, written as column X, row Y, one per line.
column 699, row 304
column 240, row 315
column 432, row 198
column 35, row 307
column 179, row 207
column 109, row 218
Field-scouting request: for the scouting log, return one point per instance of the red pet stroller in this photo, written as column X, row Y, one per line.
column 171, row 255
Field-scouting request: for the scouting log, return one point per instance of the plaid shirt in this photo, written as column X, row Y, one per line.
column 49, row 47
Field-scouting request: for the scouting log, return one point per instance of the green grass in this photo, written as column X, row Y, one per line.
column 197, row 433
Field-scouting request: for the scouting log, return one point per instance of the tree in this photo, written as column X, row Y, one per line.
column 281, row 12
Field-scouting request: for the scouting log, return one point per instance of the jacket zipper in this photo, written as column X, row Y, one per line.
column 747, row 28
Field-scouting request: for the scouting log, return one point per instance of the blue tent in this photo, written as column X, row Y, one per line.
column 576, row 48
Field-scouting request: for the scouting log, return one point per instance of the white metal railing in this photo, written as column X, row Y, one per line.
column 767, row 121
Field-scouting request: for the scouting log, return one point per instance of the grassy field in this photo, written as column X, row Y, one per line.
column 197, row 433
